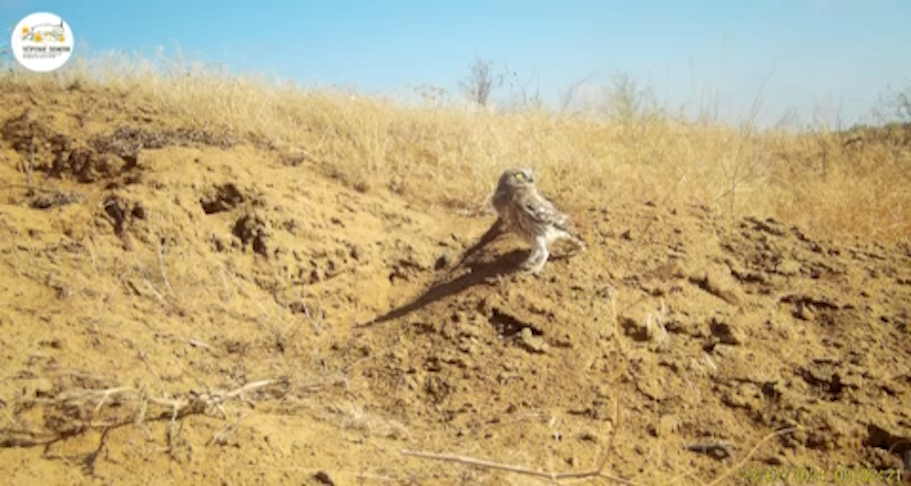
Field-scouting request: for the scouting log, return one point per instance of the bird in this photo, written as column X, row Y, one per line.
column 526, row 212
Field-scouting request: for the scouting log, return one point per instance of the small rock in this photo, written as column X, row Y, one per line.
column 805, row 312
column 588, row 436
column 668, row 426
column 323, row 478
column 718, row 282
column 563, row 341
column 55, row 199
column 530, row 342
column 41, row 388
column 726, row 333
column 111, row 164
column 852, row 379
column 441, row 262
column 139, row 211
column 652, row 388
column 789, row 267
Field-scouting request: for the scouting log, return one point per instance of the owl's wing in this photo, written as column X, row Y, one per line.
column 541, row 210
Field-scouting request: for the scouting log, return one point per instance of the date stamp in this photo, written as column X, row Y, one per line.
column 813, row 475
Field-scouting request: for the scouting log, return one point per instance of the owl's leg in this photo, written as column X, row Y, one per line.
column 579, row 244
column 539, row 255
column 529, row 262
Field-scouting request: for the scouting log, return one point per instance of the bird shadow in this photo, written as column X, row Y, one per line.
column 478, row 272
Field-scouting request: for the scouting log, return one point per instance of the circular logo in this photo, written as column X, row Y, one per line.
column 42, row 42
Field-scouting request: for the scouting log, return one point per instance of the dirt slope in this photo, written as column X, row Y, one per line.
column 148, row 267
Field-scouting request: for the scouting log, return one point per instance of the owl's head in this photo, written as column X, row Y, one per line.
column 517, row 178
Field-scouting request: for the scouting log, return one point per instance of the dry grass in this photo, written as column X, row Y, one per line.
column 451, row 156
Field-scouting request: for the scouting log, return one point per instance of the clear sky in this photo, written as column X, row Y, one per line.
column 822, row 58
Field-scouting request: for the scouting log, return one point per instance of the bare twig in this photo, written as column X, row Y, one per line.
column 163, row 268
column 553, row 476
column 31, row 165
column 218, row 438
column 246, row 388
column 557, row 476
column 155, row 292
column 718, row 450
column 196, row 343
column 107, row 393
column 145, row 361
column 94, row 399
column 747, row 457
column 12, row 185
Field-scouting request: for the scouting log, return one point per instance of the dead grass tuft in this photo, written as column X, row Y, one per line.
column 450, row 156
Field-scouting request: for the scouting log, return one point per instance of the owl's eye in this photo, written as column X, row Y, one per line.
column 520, row 176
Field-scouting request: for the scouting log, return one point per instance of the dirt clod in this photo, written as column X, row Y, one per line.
column 251, row 230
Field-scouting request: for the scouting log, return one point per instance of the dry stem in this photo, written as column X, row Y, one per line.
column 553, row 476
column 94, row 400
column 556, row 476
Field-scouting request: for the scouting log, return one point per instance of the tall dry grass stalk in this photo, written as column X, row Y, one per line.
column 444, row 154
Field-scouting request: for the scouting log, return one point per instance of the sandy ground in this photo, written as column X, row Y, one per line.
column 181, row 306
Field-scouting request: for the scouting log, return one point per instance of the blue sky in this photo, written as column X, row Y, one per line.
column 822, row 58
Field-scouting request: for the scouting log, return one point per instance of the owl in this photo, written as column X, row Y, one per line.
column 533, row 217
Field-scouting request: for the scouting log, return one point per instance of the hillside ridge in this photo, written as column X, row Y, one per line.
column 188, row 301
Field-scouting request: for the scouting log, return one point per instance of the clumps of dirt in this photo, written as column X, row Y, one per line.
column 752, row 318
column 85, row 165
column 28, row 133
column 104, row 156
column 252, row 231
column 53, row 199
column 717, row 284
column 405, row 269
column 896, row 448
column 130, row 140
column 250, row 226
column 121, row 213
column 224, row 197
column 295, row 159
column 822, row 376
column 321, row 477
column 808, row 308
column 508, row 326
column 723, row 333
column 59, row 156
column 326, row 265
